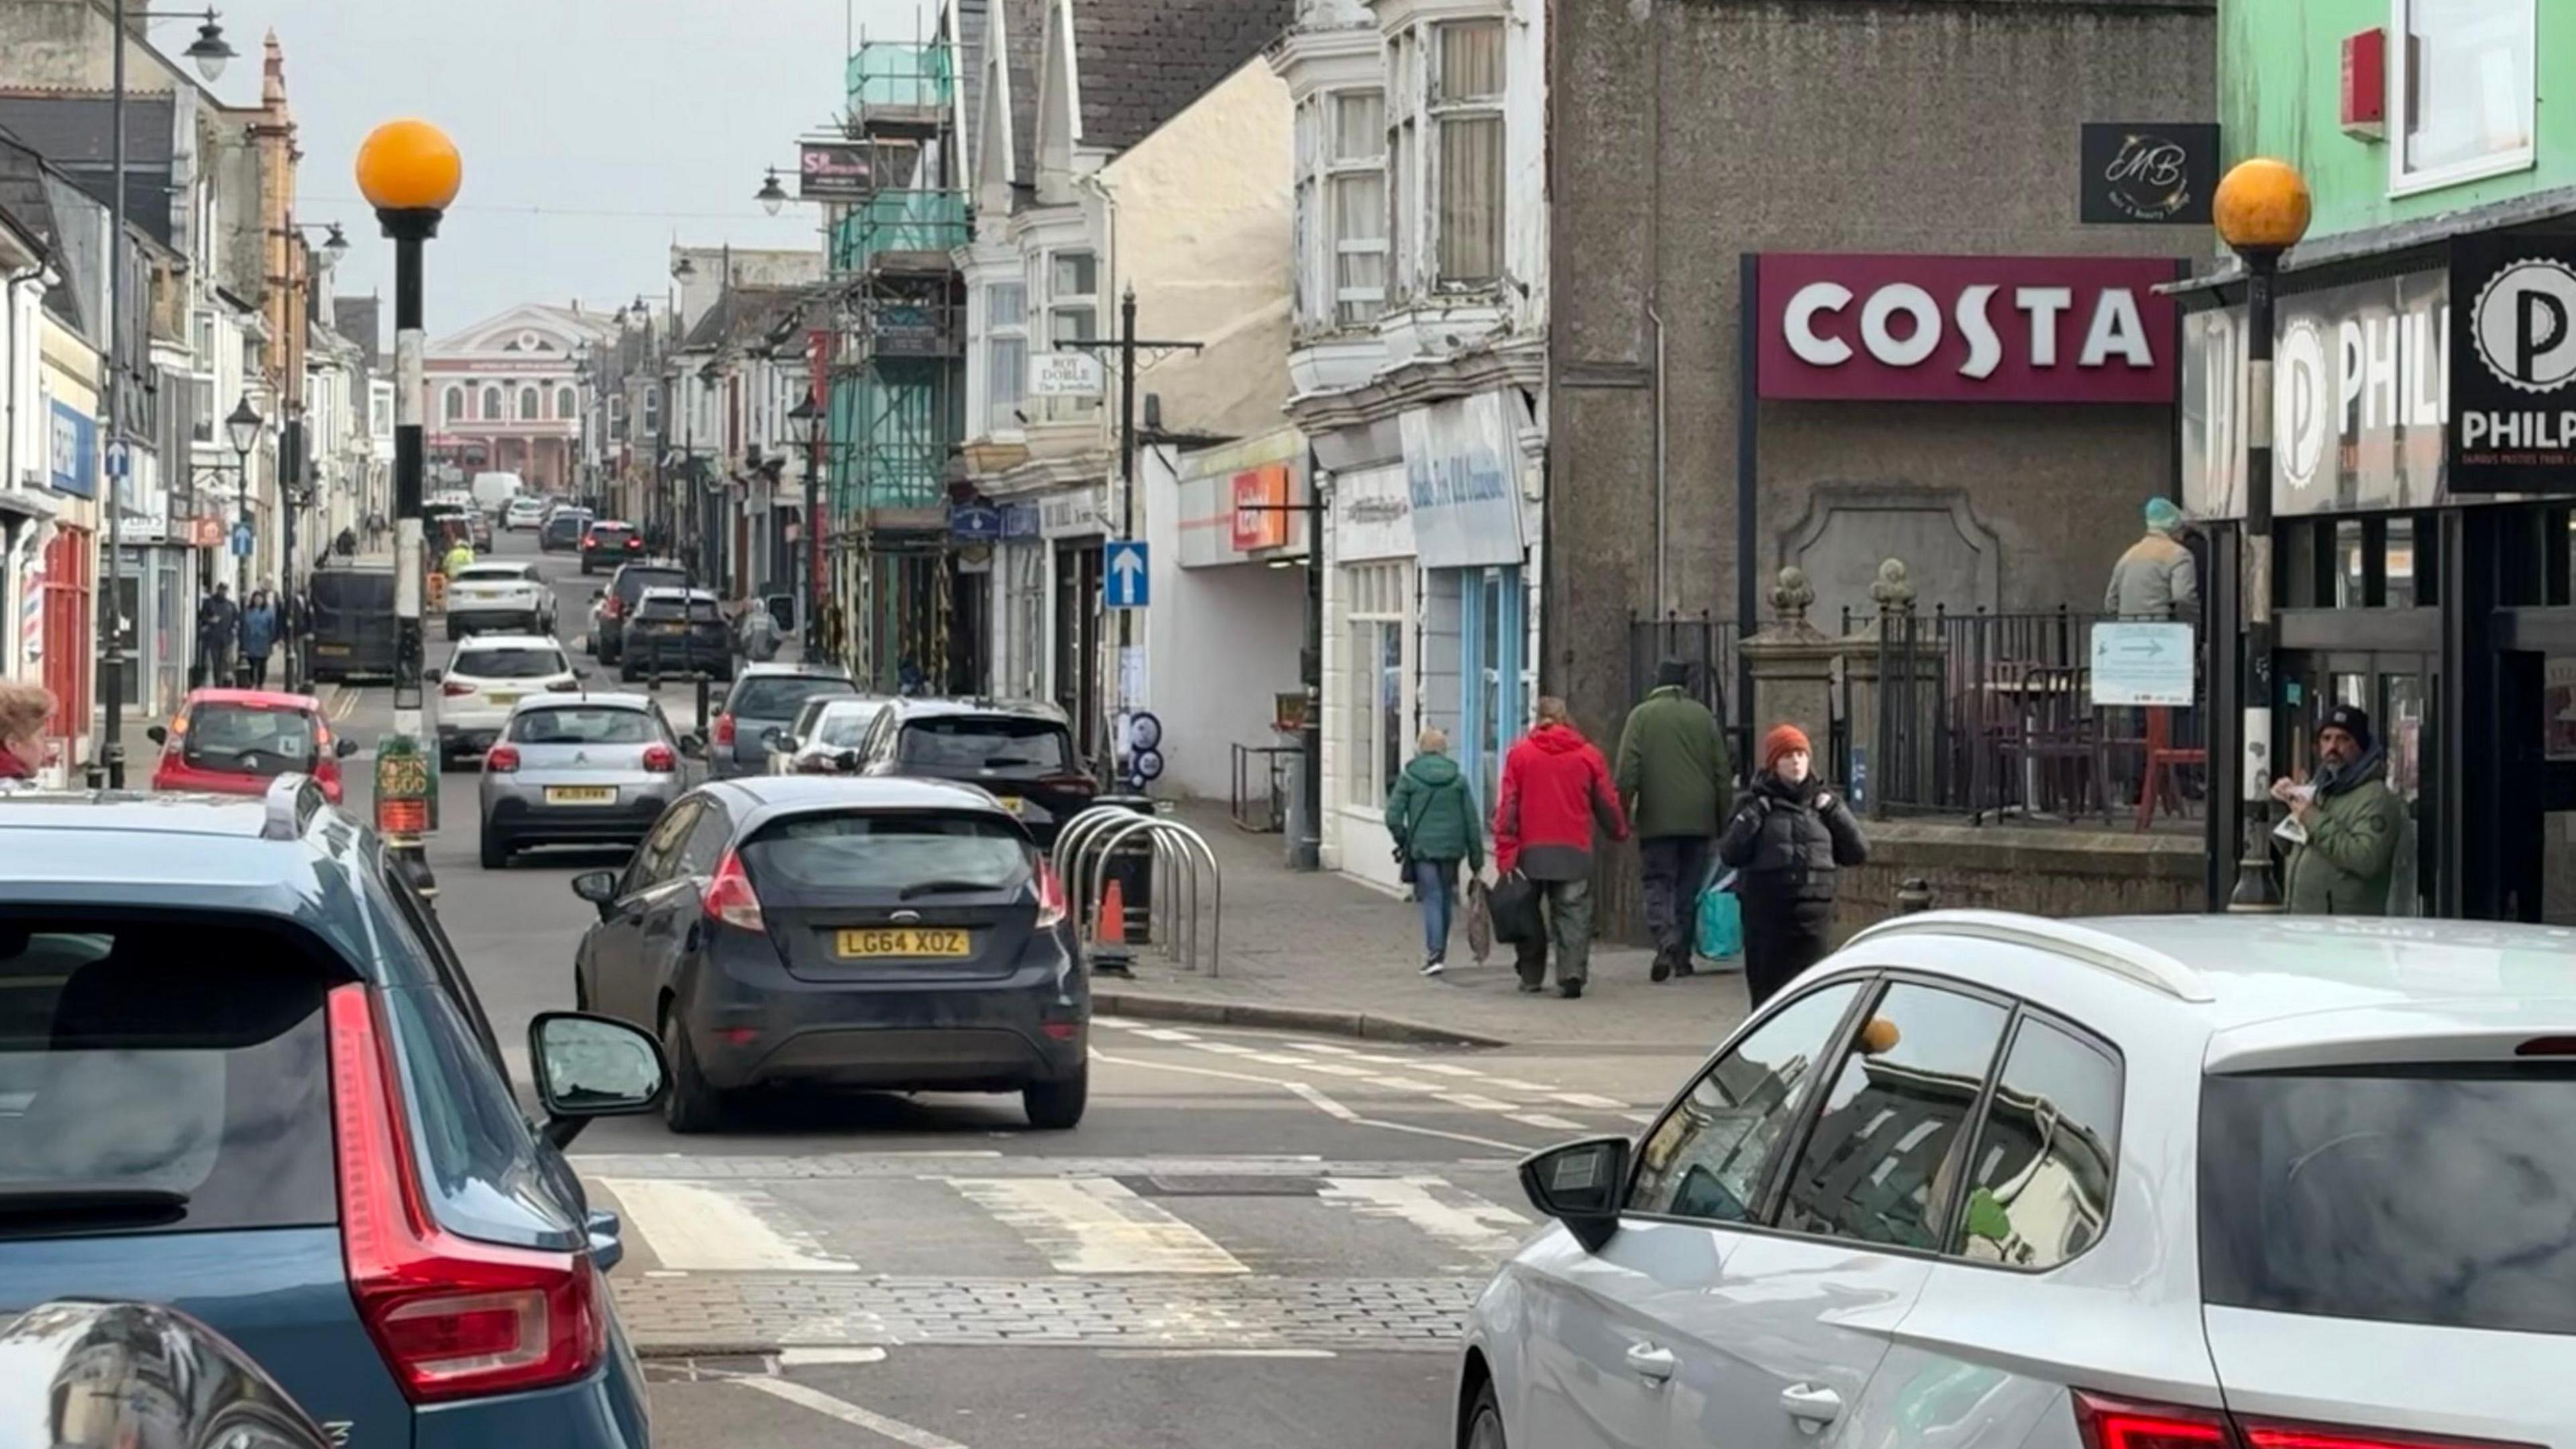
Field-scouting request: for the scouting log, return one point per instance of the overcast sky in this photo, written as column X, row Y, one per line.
column 592, row 130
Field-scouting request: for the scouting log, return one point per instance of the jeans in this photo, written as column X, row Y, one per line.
column 1567, row 905
column 1435, row 884
column 1674, row 866
column 258, row 670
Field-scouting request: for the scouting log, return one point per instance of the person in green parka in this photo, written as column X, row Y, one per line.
column 1435, row 825
column 2352, row 819
column 1679, row 788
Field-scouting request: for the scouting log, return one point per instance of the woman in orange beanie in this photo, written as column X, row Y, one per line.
column 1787, row 839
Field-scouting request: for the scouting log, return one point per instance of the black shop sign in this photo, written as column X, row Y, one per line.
column 2148, row 173
column 2513, row 364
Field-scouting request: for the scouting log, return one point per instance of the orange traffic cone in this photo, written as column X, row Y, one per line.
column 1109, row 927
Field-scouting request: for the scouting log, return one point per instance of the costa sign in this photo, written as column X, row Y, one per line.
column 1966, row 329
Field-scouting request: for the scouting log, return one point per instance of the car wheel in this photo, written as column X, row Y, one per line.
column 1057, row 1106
column 1485, row 1421
column 496, row 851
column 693, row 1106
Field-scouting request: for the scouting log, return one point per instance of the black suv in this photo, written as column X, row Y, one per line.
column 606, row 543
column 562, row 531
column 1020, row 750
column 618, row 602
column 676, row 631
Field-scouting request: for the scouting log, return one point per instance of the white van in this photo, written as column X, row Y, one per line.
column 493, row 491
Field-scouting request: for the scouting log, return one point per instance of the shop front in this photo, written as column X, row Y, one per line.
column 1470, row 484
column 1372, row 641
column 1017, row 592
column 1072, row 526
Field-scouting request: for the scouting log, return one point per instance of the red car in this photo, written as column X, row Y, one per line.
column 238, row 741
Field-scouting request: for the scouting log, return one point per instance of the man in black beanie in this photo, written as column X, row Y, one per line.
column 1674, row 778
column 2351, row 820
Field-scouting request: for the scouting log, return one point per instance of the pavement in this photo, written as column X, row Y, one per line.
column 1257, row 1237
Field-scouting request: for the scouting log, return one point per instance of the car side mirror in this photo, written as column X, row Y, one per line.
column 157, row 735
column 1580, row 1185
column 591, row 1066
column 774, row 738
column 344, row 747
column 581, row 674
column 598, row 594
column 849, row 761
column 429, row 676
column 693, row 746
column 599, row 887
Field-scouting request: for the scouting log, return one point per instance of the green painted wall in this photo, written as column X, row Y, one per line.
column 2280, row 72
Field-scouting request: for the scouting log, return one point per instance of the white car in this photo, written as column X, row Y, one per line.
column 524, row 512
column 1984, row 1181
column 488, row 677
column 499, row 596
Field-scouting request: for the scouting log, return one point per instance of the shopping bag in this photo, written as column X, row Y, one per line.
column 1480, row 921
column 1513, row 903
column 1720, row 936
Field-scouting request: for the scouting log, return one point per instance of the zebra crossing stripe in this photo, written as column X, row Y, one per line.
column 1096, row 1225
column 1452, row 1215
column 702, row 1227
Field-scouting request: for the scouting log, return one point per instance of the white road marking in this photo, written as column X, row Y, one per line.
column 821, row 1357
column 1451, row 1214
column 1165, row 1033
column 1228, row 1048
column 849, row 1413
column 1279, row 1059
column 1096, row 1225
column 1337, row 1069
column 1122, row 1022
column 1542, row 1120
column 1515, row 1084
column 1406, row 1084
column 1642, row 1119
column 1314, row 1096
column 1591, row 1103
column 700, row 1227
column 1445, row 1069
column 1218, row 1353
column 1327, row 1048
column 1476, row 1103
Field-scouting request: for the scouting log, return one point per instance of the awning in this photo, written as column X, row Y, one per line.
column 2369, row 243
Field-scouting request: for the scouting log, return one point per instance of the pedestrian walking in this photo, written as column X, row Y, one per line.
column 25, row 710
column 218, row 622
column 1788, row 837
column 1678, row 786
column 1433, row 820
column 2156, row 578
column 1556, row 790
column 259, row 624
column 2345, row 825
column 346, row 545
column 758, row 634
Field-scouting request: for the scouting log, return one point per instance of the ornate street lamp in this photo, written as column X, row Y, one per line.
column 771, row 196
column 210, row 50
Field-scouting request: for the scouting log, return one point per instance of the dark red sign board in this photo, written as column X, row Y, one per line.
column 1856, row 327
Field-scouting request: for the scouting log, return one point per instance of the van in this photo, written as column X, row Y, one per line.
column 352, row 634
column 493, row 491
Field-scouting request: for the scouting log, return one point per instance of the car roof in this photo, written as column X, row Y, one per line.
column 1037, row 709
column 689, row 594
column 777, row 669
column 517, row 568
column 508, row 641
column 264, row 698
column 768, row 794
column 558, row 698
column 610, row 523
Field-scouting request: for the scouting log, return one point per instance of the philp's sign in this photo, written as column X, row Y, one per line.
column 2513, row 364
column 1966, row 329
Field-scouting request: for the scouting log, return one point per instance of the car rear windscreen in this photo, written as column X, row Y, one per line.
column 631, row 581
column 248, row 739
column 888, row 852
column 610, row 530
column 524, row 662
column 703, row 611
column 583, row 725
column 779, row 696
column 971, row 742
column 2436, row 1195
column 358, row 590
column 161, row 1076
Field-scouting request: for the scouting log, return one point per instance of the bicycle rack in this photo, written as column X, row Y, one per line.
column 1091, row 840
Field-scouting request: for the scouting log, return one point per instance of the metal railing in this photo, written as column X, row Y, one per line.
column 1181, row 862
column 1708, row 645
column 1259, row 801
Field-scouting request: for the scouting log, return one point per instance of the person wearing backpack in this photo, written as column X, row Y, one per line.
column 1433, row 820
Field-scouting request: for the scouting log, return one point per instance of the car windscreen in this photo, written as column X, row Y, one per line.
column 2427, row 1195
column 671, row 606
column 842, row 729
column 779, row 696
column 985, row 742
column 508, row 661
column 248, row 739
column 631, row 582
column 583, row 725
column 159, row 1076
column 888, row 852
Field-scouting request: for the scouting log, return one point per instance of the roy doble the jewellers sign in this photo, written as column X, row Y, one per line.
column 2513, row 365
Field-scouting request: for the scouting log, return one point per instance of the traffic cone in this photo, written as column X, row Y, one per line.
column 1109, row 931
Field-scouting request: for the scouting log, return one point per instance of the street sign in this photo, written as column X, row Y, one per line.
column 2142, row 664
column 1144, row 732
column 1147, row 766
column 241, row 540
column 1125, row 577
column 120, row 459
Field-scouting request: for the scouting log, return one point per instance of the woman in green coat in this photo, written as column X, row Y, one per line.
column 1435, row 825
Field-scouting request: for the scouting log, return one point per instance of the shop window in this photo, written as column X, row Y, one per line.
column 1467, row 112
column 2465, row 88
column 1379, row 596
column 1006, row 355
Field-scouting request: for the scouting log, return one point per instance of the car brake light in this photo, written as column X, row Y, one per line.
column 660, row 760
column 1072, row 784
column 632, row 542
column 500, row 759
column 454, row 688
column 608, row 607
column 730, row 898
column 2110, row 1423
column 453, row 1318
column 724, row 729
column 1051, row 902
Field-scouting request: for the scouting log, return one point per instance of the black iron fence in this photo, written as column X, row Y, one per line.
column 1706, row 645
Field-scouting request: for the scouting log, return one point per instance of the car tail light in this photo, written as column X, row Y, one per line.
column 500, row 759
column 660, row 760
column 723, row 734
column 1072, row 784
column 608, row 607
column 590, row 540
column 1051, row 899
column 633, row 542
column 455, row 688
column 454, row 1319
column 2113, row 1423
column 730, row 898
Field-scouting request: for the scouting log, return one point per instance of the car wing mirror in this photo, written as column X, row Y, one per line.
column 344, row 747
column 1580, row 1185
column 849, row 761
column 599, row 887
column 591, row 1066
column 693, row 746
column 775, row 739
column 157, row 735
column 430, row 676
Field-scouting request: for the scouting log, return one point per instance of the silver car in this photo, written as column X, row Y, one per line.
column 765, row 697
column 578, row 769
column 827, row 730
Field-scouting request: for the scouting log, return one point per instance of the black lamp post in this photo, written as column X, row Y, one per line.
column 771, row 196
column 242, row 427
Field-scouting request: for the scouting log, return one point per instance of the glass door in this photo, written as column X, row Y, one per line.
column 2397, row 691
column 1496, row 694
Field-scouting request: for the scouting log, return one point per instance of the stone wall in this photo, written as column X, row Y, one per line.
column 2057, row 873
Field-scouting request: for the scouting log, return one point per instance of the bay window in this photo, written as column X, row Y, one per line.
column 1072, row 315
column 1006, row 355
column 2464, row 85
column 1466, row 105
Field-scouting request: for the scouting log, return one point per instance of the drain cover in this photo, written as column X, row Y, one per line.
column 1212, row 1184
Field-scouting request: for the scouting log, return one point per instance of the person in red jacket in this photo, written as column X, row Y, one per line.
column 1556, row 788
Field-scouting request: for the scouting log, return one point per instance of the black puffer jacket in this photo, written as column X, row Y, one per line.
column 1787, row 841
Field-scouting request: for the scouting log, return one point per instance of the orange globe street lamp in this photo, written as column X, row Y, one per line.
column 410, row 173
column 2262, row 209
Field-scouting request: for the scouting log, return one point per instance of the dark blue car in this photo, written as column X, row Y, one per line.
column 242, row 1073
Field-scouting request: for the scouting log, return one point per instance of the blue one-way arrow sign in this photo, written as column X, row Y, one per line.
column 1125, row 581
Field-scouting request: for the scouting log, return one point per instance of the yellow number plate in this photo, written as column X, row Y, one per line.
column 1014, row 804
column 505, row 699
column 580, row 795
column 905, row 942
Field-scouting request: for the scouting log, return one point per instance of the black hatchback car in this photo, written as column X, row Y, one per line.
column 898, row 935
column 606, row 543
column 676, row 631
column 1019, row 750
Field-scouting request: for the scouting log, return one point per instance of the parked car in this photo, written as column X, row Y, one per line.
column 523, row 513
column 1020, row 750
column 825, row 736
column 485, row 680
column 2114, row 1184
column 606, row 543
column 625, row 590
column 239, row 741
column 248, row 1078
column 676, row 632
column 765, row 697
column 478, row 525
column 577, row 769
column 141, row 1374
column 562, row 531
column 888, row 934
column 503, row 596
column 352, row 620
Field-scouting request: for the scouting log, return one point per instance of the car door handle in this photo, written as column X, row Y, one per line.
column 1649, row 1362
column 1811, row 1404
column 607, row 1239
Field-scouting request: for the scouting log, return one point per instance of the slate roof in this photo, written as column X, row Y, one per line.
column 75, row 133
column 361, row 320
column 1139, row 62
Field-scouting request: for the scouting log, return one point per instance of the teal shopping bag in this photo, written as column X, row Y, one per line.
column 1721, row 921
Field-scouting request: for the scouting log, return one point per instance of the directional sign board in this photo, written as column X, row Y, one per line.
column 2142, row 664
column 1125, row 577
column 241, row 540
column 120, row 459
